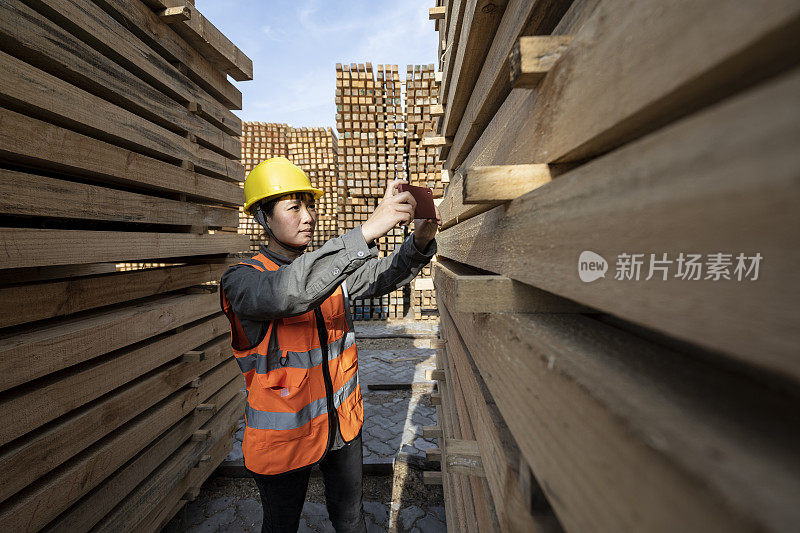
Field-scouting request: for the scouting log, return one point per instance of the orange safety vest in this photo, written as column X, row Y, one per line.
column 289, row 386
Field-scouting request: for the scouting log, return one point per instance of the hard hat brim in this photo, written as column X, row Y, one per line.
column 316, row 192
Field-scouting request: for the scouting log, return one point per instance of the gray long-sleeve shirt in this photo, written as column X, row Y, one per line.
column 300, row 285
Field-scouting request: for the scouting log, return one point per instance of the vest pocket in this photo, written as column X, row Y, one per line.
column 298, row 333
column 286, row 393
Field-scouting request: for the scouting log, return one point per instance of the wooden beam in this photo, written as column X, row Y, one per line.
column 24, row 246
column 432, row 432
column 670, row 193
column 436, row 398
column 479, row 293
column 434, row 374
column 214, row 45
column 55, row 492
column 37, row 301
column 40, row 144
column 173, row 15
column 622, row 79
column 489, row 87
column 93, row 507
column 435, row 141
column 436, row 110
column 501, row 456
column 423, row 284
column 480, row 21
column 143, row 22
column 464, row 457
column 58, row 52
column 533, row 57
column 135, row 49
column 61, row 393
column 57, row 443
column 27, row 194
column 433, row 455
column 584, row 397
column 430, row 477
column 503, row 183
column 52, row 347
column 437, row 13
column 32, row 91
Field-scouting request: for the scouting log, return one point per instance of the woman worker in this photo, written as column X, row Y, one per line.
column 292, row 335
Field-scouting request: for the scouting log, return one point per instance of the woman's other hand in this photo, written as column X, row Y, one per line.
column 425, row 229
column 394, row 209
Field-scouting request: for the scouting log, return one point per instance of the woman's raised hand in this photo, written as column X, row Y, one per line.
column 394, row 209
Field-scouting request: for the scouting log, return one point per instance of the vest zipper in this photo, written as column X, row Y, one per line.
column 326, row 375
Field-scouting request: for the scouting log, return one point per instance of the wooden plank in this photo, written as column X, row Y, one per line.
column 479, row 24
column 477, row 495
column 84, row 514
column 491, row 85
column 56, row 443
column 173, row 15
column 464, row 457
column 432, row 432
column 136, row 505
column 500, row 452
column 34, row 508
column 90, row 23
column 33, row 91
column 159, row 516
column 480, row 293
column 626, row 74
column 38, row 143
column 435, row 141
column 503, row 183
column 52, row 347
column 533, row 57
column 433, row 455
column 54, row 50
column 214, row 45
column 423, row 284
column 671, row 193
column 24, row 246
column 591, row 405
column 436, row 110
column 37, row 301
column 145, row 24
column 22, row 193
column 64, row 391
column 437, row 13
column 454, row 18
column 435, row 374
column 432, row 477
column 35, row 274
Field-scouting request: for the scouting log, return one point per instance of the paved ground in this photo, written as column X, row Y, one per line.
column 392, row 354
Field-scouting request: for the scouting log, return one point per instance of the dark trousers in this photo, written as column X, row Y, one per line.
column 283, row 495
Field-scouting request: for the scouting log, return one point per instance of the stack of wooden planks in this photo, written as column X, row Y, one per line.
column 260, row 141
column 118, row 394
column 616, row 279
column 371, row 154
column 314, row 150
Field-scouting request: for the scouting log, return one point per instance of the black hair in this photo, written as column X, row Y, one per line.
column 268, row 207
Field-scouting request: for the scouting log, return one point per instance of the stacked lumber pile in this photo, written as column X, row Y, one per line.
column 424, row 166
column 617, row 270
column 260, row 141
column 119, row 394
column 369, row 119
column 314, row 150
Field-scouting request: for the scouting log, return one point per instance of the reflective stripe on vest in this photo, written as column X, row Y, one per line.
column 277, row 420
column 286, row 414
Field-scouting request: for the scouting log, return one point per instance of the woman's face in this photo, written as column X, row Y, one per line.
column 293, row 220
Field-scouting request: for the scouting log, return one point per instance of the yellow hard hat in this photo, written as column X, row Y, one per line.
column 273, row 177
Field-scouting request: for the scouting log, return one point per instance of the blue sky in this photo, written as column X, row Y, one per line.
column 295, row 46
